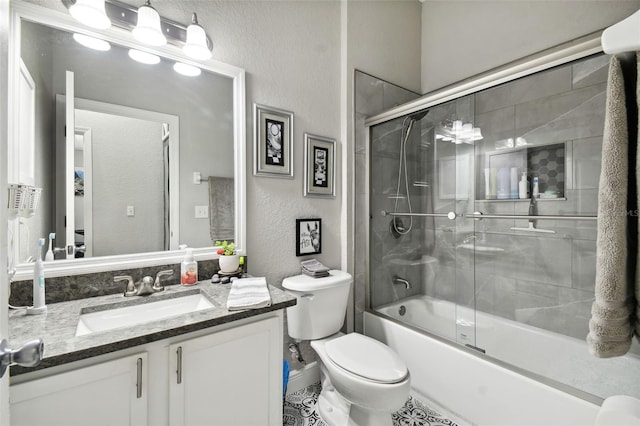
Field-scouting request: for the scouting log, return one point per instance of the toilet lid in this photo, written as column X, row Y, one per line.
column 366, row 357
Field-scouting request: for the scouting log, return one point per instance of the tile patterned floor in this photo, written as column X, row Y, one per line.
column 300, row 410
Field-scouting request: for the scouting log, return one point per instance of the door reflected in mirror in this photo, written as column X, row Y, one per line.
column 132, row 177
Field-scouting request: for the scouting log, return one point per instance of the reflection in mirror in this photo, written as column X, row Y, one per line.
column 122, row 168
column 127, row 198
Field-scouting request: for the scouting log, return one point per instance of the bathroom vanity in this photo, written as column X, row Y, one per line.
column 207, row 366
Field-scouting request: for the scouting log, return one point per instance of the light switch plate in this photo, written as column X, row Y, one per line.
column 202, row 212
column 131, row 211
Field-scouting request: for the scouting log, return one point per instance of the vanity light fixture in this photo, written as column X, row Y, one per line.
column 148, row 30
column 143, row 57
column 196, row 46
column 187, row 70
column 91, row 13
column 92, row 42
column 148, row 27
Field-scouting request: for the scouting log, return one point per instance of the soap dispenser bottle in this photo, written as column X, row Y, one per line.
column 188, row 269
column 523, row 187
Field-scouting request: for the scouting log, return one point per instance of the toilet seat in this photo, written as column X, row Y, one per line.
column 366, row 358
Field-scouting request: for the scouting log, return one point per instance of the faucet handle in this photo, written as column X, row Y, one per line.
column 130, row 289
column 165, row 273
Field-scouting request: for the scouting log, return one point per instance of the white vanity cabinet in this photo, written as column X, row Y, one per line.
column 233, row 377
column 227, row 375
column 109, row 393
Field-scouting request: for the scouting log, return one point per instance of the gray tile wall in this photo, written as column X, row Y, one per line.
column 372, row 96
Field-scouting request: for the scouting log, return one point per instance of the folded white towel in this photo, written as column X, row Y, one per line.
column 248, row 293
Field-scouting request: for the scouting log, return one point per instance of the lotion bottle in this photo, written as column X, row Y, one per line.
column 188, row 269
column 38, row 284
column 523, row 187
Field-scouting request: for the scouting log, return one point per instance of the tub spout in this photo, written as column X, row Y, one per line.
column 398, row 280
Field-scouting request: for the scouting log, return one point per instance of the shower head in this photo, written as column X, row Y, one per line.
column 417, row 116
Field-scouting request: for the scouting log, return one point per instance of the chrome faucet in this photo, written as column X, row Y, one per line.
column 145, row 287
column 398, row 280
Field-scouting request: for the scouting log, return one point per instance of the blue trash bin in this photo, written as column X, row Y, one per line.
column 285, row 377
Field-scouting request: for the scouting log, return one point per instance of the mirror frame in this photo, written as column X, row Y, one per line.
column 63, row 21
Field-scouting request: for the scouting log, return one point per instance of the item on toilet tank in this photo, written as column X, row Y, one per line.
column 503, row 189
column 513, row 183
column 188, row 269
column 619, row 410
column 523, row 187
column 38, row 284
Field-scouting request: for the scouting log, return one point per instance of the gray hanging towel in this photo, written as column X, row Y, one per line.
column 610, row 326
column 221, row 209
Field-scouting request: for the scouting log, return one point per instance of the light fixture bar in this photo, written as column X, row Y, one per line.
column 125, row 16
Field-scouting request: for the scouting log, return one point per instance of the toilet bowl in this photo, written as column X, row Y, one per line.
column 363, row 380
column 370, row 378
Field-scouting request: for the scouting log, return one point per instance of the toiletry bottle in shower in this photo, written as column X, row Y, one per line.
column 536, row 188
column 503, row 184
column 523, row 187
column 513, row 183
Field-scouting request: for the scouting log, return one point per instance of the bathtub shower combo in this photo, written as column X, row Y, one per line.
column 482, row 245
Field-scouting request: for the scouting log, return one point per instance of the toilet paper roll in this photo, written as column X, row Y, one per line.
column 619, row 410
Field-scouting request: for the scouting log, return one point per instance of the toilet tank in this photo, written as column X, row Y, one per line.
column 321, row 304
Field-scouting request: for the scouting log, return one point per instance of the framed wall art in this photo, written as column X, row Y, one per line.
column 273, row 142
column 319, row 166
column 308, row 236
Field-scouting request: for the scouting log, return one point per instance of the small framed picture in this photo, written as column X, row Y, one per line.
column 319, row 166
column 273, row 142
column 308, row 236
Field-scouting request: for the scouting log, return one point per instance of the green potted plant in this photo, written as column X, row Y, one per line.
column 229, row 260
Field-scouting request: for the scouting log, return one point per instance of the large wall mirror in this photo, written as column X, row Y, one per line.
column 154, row 159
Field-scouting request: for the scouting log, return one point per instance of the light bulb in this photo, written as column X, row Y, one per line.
column 148, row 30
column 92, row 42
column 196, row 46
column 187, row 70
column 91, row 13
column 143, row 57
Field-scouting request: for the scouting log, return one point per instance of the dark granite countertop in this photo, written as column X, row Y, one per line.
column 57, row 328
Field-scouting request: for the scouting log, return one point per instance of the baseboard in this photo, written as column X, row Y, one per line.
column 303, row 377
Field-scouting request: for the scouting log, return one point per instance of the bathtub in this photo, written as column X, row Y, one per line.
column 488, row 393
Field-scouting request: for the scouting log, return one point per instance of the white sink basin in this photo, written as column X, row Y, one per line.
column 109, row 319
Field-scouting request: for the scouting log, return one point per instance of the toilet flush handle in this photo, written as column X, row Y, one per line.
column 307, row 296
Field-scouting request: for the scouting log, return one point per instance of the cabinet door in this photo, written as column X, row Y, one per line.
column 232, row 377
column 110, row 393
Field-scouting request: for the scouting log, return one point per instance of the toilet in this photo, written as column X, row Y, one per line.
column 363, row 380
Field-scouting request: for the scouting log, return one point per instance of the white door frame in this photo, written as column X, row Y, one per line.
column 87, row 141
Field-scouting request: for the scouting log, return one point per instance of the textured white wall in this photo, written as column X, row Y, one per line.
column 464, row 38
column 291, row 53
column 384, row 40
